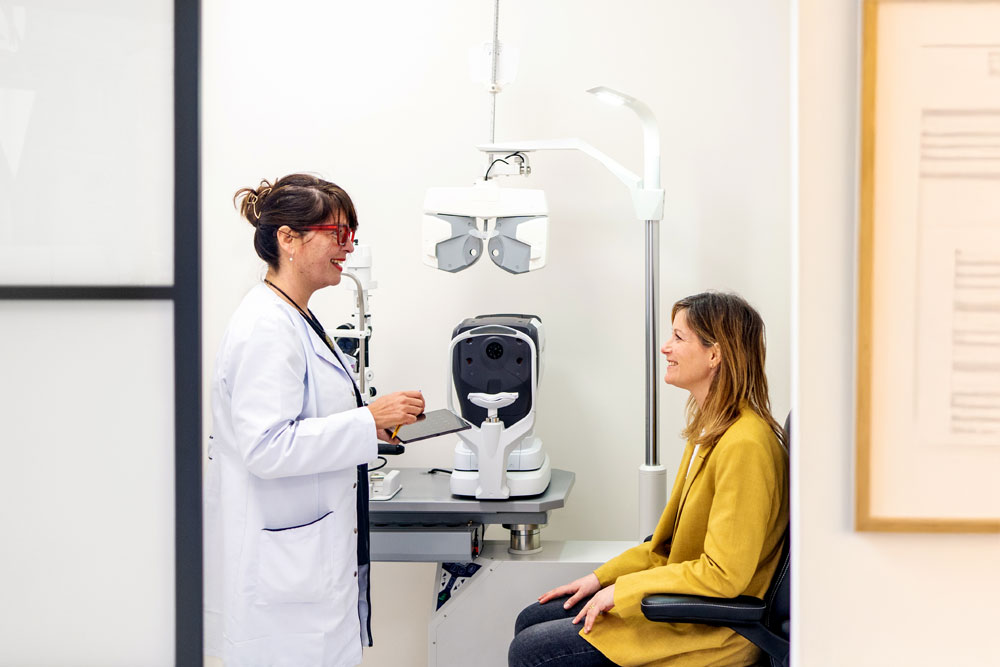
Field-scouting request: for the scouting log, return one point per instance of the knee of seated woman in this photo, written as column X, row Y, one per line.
column 530, row 615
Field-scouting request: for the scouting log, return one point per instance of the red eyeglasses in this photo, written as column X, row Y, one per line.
column 342, row 233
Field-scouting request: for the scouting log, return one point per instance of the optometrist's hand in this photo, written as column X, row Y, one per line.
column 385, row 435
column 600, row 603
column 578, row 590
column 392, row 410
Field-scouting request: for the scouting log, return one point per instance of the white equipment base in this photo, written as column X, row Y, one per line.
column 525, row 457
column 520, row 483
column 478, row 619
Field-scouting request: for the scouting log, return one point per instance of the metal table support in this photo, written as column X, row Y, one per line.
column 425, row 523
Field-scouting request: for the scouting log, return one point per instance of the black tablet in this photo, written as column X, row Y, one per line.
column 430, row 424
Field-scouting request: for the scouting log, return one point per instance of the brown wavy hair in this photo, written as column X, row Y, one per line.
column 296, row 200
column 728, row 321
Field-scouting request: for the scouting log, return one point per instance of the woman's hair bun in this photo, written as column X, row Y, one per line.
column 295, row 201
column 251, row 201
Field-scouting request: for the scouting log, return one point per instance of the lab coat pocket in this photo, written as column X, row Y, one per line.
column 294, row 563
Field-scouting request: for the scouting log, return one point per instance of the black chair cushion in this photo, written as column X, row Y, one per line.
column 742, row 610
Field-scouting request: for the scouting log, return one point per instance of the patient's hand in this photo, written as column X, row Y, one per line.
column 600, row 603
column 579, row 589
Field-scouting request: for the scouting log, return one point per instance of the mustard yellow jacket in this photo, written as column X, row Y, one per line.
column 720, row 535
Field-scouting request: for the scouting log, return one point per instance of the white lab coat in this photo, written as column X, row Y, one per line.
column 282, row 482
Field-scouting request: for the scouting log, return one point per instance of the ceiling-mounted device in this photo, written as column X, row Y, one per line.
column 513, row 222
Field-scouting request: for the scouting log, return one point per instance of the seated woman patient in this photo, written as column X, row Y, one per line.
column 721, row 532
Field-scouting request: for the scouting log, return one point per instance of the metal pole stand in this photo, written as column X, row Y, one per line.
column 525, row 538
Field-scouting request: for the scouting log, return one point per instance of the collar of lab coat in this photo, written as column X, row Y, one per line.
column 321, row 349
column 318, row 344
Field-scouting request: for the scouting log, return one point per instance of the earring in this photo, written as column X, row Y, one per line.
column 291, row 259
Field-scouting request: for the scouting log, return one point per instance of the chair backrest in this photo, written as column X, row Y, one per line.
column 779, row 593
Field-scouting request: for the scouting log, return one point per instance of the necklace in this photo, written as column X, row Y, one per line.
column 318, row 328
column 309, row 317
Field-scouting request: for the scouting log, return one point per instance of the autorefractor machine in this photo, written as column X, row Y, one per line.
column 496, row 363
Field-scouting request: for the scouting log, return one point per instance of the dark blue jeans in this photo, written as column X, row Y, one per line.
column 544, row 636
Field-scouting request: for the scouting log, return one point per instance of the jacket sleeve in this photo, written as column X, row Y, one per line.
column 267, row 382
column 632, row 560
column 737, row 527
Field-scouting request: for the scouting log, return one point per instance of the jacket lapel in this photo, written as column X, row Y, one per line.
column 696, row 466
column 668, row 520
column 324, row 352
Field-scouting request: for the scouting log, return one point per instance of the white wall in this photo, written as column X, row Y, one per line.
column 376, row 96
column 861, row 598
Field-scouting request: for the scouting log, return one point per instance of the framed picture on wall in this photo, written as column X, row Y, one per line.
column 928, row 346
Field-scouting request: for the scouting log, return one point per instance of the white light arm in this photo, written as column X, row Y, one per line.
column 648, row 203
column 631, row 180
column 650, row 132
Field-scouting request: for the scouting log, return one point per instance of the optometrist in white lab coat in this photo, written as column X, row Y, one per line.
column 286, row 485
